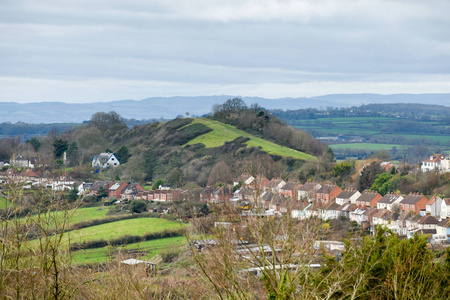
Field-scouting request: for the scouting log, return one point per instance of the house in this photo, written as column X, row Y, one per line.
column 115, row 191
column 83, row 188
column 98, row 186
column 348, row 196
column 347, row 209
column 445, row 208
column 217, row 194
column 290, row 189
column 401, row 222
column 357, row 215
column 245, row 179
column 21, row 161
column 433, row 206
column 390, row 202
column 381, row 217
column 131, row 190
column 327, row 193
column 274, row 185
column 105, row 161
column 330, row 212
column 427, row 222
column 368, row 199
column 308, row 191
column 443, row 230
column 414, row 202
column 299, row 211
column 436, row 162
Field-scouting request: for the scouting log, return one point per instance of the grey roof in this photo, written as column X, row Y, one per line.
column 327, row 188
column 428, row 220
column 412, row 199
column 308, row 186
column 389, row 198
column 367, row 196
column 347, row 194
column 290, row 185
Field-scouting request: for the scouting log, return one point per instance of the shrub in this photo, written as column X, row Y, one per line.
column 170, row 255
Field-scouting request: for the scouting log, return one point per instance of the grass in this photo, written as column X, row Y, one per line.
column 154, row 247
column 3, row 203
column 366, row 146
column 222, row 133
column 78, row 215
column 116, row 229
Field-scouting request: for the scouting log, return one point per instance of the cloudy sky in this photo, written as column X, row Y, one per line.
column 103, row 50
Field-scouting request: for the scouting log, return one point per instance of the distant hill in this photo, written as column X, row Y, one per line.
column 170, row 107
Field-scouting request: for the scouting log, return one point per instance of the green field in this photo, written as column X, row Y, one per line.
column 225, row 133
column 76, row 215
column 366, row 146
column 152, row 247
column 3, row 203
column 116, row 229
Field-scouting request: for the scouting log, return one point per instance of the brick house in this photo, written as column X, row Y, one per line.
column 327, row 193
column 368, row 199
column 414, row 202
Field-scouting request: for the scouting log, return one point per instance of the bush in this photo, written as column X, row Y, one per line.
column 170, row 255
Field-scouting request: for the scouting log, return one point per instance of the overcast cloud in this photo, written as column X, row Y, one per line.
column 86, row 51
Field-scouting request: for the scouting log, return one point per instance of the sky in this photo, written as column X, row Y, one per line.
column 104, row 50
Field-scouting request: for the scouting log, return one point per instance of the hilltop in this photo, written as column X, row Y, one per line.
column 186, row 149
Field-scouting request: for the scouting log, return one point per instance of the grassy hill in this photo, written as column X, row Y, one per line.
column 222, row 133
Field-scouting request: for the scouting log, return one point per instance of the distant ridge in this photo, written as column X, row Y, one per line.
column 170, row 107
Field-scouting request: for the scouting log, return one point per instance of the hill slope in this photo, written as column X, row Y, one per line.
column 222, row 133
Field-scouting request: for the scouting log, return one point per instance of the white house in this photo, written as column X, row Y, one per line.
column 436, row 162
column 443, row 230
column 389, row 201
column 105, row 161
column 347, row 196
column 433, row 206
column 445, row 208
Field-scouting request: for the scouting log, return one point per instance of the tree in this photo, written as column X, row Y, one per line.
column 59, row 147
column 138, row 206
column 381, row 183
column 35, row 142
column 150, row 164
column 220, row 173
column 157, row 183
column 122, row 154
column 108, row 123
column 368, row 174
column 176, row 177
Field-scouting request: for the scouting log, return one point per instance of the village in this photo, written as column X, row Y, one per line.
column 404, row 215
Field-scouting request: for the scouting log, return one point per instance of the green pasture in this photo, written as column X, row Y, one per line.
column 153, row 248
column 434, row 138
column 116, row 229
column 3, row 203
column 366, row 146
column 222, row 133
column 338, row 131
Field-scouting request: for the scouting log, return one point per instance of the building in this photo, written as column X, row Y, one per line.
column 436, row 162
column 327, row 193
column 348, row 196
column 105, row 161
column 368, row 199
column 390, row 202
column 414, row 202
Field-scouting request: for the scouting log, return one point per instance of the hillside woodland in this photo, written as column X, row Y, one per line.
column 162, row 149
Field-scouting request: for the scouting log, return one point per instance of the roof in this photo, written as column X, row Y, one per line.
column 367, row 196
column 389, row 198
column 290, row 185
column 404, row 215
column 382, row 213
column 428, row 220
column 308, row 186
column 444, row 223
column 327, row 188
column 273, row 183
column 412, row 199
column 370, row 211
column 347, row 194
column 435, row 158
column 333, row 206
column 447, row 201
column 433, row 199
